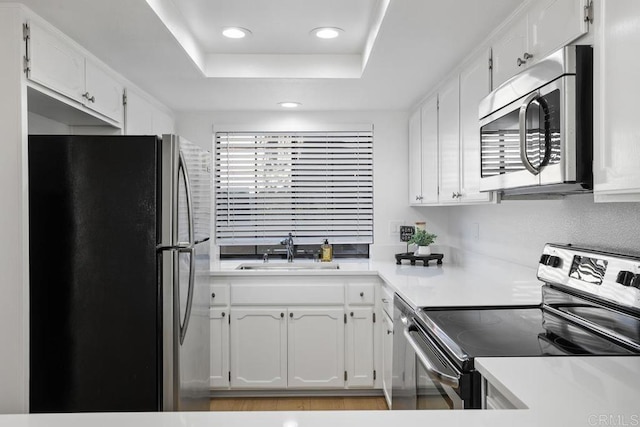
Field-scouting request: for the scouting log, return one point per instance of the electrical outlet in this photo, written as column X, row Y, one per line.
column 394, row 227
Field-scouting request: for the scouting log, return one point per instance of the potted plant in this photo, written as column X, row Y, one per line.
column 423, row 239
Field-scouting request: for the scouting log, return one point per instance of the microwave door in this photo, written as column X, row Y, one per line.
column 501, row 161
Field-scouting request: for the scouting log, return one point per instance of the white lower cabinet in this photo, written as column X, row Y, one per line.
column 316, row 347
column 219, row 338
column 387, row 355
column 258, row 350
column 360, row 345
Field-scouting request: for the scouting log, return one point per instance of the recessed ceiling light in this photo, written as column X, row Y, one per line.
column 235, row 32
column 327, row 32
column 289, row 104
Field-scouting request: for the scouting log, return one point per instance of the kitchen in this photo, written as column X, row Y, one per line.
column 513, row 231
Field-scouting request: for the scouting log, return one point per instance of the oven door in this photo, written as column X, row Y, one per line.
column 437, row 382
column 531, row 141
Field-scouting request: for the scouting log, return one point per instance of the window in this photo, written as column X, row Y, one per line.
column 315, row 185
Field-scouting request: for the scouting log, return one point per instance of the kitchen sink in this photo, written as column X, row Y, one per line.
column 289, row 266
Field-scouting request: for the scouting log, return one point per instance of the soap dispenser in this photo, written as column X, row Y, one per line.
column 327, row 251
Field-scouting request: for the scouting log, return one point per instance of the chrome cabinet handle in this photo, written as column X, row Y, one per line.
column 456, row 195
column 524, row 59
column 418, row 198
column 88, row 96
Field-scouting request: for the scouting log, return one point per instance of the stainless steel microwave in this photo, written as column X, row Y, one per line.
column 536, row 129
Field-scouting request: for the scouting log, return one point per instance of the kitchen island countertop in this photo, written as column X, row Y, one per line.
column 557, row 391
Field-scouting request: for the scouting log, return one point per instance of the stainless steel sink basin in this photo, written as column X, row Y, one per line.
column 289, row 266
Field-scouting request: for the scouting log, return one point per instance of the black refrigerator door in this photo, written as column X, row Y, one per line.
column 94, row 292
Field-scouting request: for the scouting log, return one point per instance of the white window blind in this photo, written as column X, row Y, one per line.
column 315, row 185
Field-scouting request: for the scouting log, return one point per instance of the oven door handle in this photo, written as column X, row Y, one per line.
column 444, row 378
column 523, row 132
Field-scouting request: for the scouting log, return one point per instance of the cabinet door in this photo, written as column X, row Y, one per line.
column 429, row 125
column 316, row 347
column 55, row 63
column 555, row 23
column 258, row 348
column 616, row 145
column 474, row 85
column 359, row 351
column 415, row 159
column 139, row 115
column 449, row 141
column 387, row 357
column 103, row 92
column 219, row 341
column 162, row 123
column 506, row 52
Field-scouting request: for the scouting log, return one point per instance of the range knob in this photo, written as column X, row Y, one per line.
column 550, row 260
column 625, row 278
column 635, row 282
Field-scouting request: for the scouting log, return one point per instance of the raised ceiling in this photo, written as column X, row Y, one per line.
column 418, row 42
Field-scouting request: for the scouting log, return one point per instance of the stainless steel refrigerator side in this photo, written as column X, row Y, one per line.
column 168, row 238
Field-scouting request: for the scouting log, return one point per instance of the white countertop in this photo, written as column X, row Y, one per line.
column 494, row 283
column 558, row 391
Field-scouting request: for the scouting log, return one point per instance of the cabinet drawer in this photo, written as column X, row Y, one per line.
column 219, row 295
column 361, row 293
column 289, row 294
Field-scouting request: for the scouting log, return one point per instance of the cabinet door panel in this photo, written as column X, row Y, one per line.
column 474, row 85
column 103, row 91
column 616, row 145
column 316, row 347
column 555, row 23
column 360, row 347
column 259, row 348
column 415, row 159
column 429, row 125
column 449, row 141
column 219, row 338
column 387, row 356
column 55, row 63
column 506, row 52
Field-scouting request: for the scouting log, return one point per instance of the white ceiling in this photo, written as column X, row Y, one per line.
column 419, row 41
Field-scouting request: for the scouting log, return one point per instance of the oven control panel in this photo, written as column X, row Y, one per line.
column 610, row 276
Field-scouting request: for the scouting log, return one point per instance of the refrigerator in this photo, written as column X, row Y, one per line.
column 118, row 268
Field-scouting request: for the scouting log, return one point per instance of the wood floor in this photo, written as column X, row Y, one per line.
column 298, row 404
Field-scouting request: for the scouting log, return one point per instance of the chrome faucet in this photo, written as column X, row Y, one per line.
column 288, row 242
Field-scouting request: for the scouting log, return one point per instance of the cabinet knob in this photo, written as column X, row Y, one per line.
column 361, row 294
column 213, row 294
column 223, row 314
column 384, row 300
column 281, row 314
column 88, row 96
column 389, row 332
column 352, row 314
column 291, row 315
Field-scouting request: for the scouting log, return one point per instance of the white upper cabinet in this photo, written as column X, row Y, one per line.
column 617, row 128
column 509, row 52
column 546, row 26
column 423, row 154
column 143, row 118
column 58, row 65
column 103, row 93
column 449, row 140
column 55, row 63
column 474, row 85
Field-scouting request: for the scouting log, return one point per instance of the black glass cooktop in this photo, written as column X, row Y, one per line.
column 469, row 333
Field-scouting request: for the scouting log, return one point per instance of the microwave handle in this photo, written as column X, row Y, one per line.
column 523, row 132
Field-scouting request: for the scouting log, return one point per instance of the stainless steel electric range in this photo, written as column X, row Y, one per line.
column 590, row 306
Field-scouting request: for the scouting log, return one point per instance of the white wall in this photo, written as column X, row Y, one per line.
column 390, row 161
column 516, row 231
column 13, row 217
